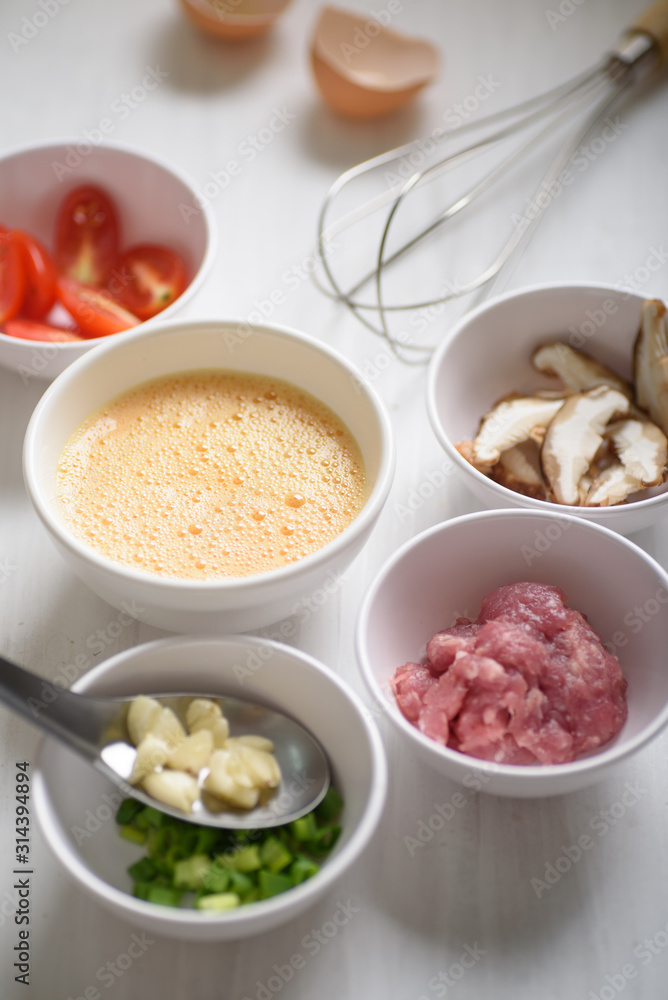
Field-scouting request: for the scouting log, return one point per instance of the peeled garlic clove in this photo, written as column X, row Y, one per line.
column 261, row 767
column 203, row 713
column 220, row 732
column 174, row 788
column 222, row 783
column 168, row 728
column 141, row 716
column 257, row 742
column 152, row 753
column 238, row 770
column 193, row 753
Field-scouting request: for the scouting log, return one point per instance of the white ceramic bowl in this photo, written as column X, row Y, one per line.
column 487, row 355
column 72, row 800
column 446, row 571
column 156, row 204
column 224, row 605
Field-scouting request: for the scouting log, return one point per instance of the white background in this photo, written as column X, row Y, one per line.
column 471, row 884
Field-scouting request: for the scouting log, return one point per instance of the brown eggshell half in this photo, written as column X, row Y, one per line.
column 233, row 20
column 363, row 69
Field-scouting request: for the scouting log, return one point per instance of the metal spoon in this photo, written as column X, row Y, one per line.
column 94, row 728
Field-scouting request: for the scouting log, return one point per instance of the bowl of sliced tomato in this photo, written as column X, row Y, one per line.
column 95, row 240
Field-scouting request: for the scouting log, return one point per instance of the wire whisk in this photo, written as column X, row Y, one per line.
column 578, row 105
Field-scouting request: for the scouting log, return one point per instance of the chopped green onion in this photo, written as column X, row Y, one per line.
column 143, row 870
column 271, row 884
column 218, row 901
column 127, row 811
column 192, row 873
column 132, row 834
column 164, row 895
column 274, row 855
column 330, row 807
column 214, row 869
column 305, row 828
column 302, row 868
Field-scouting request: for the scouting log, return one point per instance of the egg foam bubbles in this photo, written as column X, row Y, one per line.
column 209, row 474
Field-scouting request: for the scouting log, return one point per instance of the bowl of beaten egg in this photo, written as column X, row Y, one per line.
column 211, row 473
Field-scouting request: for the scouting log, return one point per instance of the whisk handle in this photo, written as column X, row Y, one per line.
column 654, row 22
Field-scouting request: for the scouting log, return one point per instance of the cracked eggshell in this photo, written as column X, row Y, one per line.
column 233, row 20
column 364, row 70
column 487, row 355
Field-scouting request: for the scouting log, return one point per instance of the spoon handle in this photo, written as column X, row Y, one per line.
column 69, row 717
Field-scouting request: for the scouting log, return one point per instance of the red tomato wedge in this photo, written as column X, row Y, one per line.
column 41, row 277
column 86, row 238
column 94, row 310
column 147, row 278
column 28, row 329
column 12, row 276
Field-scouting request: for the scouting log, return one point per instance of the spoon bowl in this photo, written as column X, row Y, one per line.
column 95, row 728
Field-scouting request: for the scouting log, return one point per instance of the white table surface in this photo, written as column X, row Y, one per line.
column 469, row 889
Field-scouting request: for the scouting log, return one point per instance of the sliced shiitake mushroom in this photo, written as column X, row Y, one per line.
column 611, row 487
column 650, row 363
column 510, row 422
column 574, row 437
column 576, row 369
column 642, row 450
column 519, row 469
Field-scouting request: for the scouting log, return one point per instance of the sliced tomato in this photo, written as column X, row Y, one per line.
column 41, row 277
column 29, row 329
column 94, row 310
column 86, row 238
column 12, row 276
column 147, row 278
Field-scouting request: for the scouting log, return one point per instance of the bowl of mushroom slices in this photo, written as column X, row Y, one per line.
column 556, row 397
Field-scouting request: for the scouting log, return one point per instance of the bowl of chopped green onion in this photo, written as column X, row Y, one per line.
column 203, row 883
